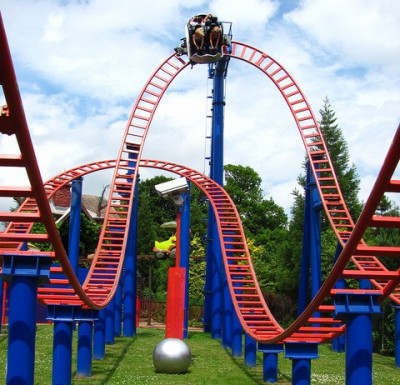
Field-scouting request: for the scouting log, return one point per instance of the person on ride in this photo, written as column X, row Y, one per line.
column 198, row 37
column 215, row 38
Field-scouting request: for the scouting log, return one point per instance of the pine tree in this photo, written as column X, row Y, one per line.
column 349, row 184
column 339, row 153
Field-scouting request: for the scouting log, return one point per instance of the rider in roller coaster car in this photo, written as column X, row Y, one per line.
column 206, row 34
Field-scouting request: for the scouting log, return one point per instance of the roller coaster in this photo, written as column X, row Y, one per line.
column 322, row 320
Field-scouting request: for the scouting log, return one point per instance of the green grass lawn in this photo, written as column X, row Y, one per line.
column 129, row 361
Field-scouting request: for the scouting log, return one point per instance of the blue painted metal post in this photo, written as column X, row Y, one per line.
column 184, row 239
column 250, row 351
column 118, row 310
column 85, row 347
column 232, row 329
column 301, row 355
column 311, row 253
column 359, row 349
column 22, row 331
column 339, row 343
column 24, row 274
column 357, row 310
column 270, row 361
column 62, row 353
column 237, row 336
column 397, row 335
column 129, row 311
column 75, row 223
column 110, row 322
column 84, row 360
column 227, row 317
column 208, row 285
column 306, row 253
column 227, row 330
column 217, row 285
column 217, row 174
column 99, row 342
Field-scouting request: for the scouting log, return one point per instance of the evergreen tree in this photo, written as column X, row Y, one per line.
column 339, row 153
column 349, row 184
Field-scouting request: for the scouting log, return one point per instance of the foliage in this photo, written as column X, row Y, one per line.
column 243, row 184
column 338, row 149
column 197, row 267
column 384, row 330
column 154, row 211
column 89, row 235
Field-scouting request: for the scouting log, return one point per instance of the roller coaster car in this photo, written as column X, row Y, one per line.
column 205, row 39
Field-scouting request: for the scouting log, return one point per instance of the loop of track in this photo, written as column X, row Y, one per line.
column 314, row 325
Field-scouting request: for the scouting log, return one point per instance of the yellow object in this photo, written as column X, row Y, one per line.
column 166, row 245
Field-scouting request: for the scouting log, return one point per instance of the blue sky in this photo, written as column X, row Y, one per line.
column 81, row 64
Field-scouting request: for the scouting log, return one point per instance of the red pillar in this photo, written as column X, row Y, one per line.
column 175, row 302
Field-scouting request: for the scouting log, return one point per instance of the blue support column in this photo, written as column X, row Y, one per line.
column 359, row 349
column 250, row 351
column 22, row 331
column 270, row 361
column 216, row 173
column 397, row 335
column 110, row 322
column 24, row 274
column 227, row 317
column 62, row 353
column 84, row 360
column 64, row 318
column 208, row 286
column 338, row 343
column 85, row 347
column 227, row 330
column 130, row 277
column 118, row 310
column 232, row 330
column 184, row 239
column 75, row 223
column 237, row 336
column 311, row 253
column 99, row 342
column 217, row 286
column 357, row 311
column 301, row 355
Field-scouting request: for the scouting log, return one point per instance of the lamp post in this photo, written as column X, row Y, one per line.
column 176, row 190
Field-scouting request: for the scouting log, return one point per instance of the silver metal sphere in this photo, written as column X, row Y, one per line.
column 172, row 356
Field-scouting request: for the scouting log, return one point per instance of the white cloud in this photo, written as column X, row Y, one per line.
column 358, row 32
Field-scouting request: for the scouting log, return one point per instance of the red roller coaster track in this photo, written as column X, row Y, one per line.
column 357, row 260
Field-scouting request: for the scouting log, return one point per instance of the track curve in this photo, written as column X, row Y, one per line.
column 251, row 308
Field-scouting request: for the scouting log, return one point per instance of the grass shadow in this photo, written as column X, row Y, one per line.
column 104, row 373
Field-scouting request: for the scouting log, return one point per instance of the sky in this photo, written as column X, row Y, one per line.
column 81, row 64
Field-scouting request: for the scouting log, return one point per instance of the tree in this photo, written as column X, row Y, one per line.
column 349, row 184
column 265, row 225
column 338, row 150
column 243, row 185
column 153, row 211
